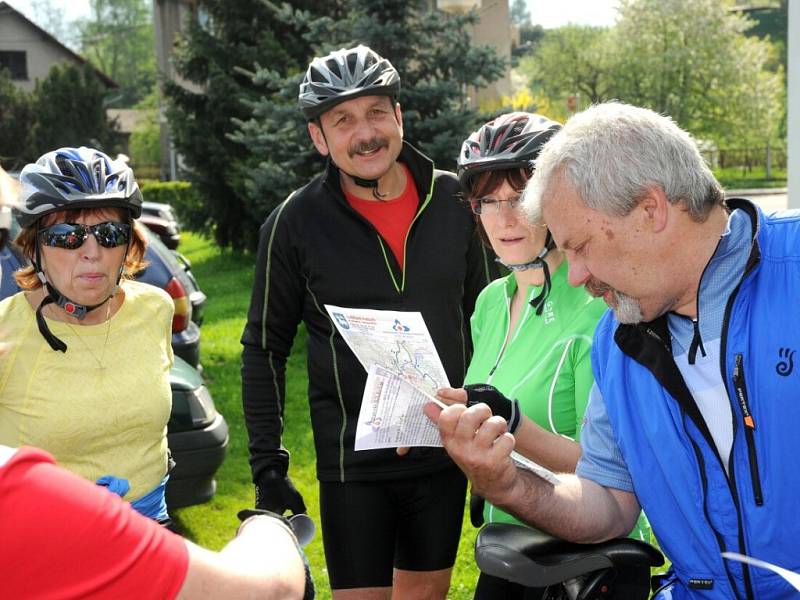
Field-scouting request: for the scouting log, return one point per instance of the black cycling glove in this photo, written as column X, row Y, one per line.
column 499, row 405
column 476, row 503
column 276, row 493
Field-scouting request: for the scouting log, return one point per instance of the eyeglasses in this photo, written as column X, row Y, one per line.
column 71, row 236
column 491, row 206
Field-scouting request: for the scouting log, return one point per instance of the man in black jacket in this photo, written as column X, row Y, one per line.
column 379, row 229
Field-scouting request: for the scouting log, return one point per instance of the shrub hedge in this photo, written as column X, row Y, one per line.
column 181, row 196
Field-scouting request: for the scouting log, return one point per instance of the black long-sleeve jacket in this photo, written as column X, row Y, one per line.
column 314, row 250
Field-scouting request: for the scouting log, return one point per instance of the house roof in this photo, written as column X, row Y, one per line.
column 5, row 7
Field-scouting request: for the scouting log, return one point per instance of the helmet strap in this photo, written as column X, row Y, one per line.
column 539, row 262
column 368, row 183
column 536, row 263
column 73, row 309
column 538, row 302
column 55, row 343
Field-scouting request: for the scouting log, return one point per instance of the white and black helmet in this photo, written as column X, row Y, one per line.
column 511, row 141
column 70, row 178
column 345, row 74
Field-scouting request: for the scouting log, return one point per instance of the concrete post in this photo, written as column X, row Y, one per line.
column 793, row 105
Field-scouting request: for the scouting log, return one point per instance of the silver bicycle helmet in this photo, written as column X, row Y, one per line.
column 70, row 178
column 511, row 141
column 345, row 74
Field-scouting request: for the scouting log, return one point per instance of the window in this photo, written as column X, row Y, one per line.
column 16, row 61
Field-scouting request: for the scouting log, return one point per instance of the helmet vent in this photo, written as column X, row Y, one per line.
column 98, row 176
column 352, row 61
column 334, row 68
column 65, row 166
column 316, row 75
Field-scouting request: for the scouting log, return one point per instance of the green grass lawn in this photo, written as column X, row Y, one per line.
column 226, row 278
column 737, row 178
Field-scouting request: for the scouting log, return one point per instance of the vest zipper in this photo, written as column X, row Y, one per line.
column 740, row 388
column 720, row 539
column 732, row 471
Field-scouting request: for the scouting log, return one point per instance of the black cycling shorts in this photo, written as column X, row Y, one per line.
column 371, row 527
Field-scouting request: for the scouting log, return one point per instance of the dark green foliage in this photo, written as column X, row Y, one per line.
column 69, row 110
column 16, row 117
column 218, row 53
column 182, row 197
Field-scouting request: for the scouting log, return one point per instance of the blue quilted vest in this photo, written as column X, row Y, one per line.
column 697, row 511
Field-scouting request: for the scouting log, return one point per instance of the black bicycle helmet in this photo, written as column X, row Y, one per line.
column 510, row 141
column 345, row 74
column 70, row 178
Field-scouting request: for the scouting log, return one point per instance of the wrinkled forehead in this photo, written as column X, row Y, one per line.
column 360, row 104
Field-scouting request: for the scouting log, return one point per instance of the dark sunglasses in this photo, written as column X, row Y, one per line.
column 71, row 236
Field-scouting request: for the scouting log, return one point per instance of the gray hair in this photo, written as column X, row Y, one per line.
column 611, row 153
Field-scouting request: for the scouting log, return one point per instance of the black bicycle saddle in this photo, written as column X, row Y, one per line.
column 536, row 559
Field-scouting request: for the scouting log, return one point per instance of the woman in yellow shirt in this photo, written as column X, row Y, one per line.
column 86, row 373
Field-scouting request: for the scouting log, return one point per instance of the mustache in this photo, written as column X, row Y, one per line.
column 375, row 143
column 597, row 288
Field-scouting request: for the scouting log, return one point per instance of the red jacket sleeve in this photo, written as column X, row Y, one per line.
column 65, row 537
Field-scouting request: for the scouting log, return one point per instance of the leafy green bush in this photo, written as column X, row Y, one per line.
column 144, row 145
column 181, row 196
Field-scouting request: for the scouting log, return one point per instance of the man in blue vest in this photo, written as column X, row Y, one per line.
column 695, row 410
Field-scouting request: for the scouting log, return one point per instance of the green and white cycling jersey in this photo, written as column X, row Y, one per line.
column 546, row 363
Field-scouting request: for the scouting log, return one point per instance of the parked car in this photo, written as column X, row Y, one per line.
column 197, row 434
column 165, row 230
column 161, row 210
column 167, row 271
column 161, row 220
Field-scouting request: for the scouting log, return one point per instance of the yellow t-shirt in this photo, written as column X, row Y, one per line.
column 101, row 408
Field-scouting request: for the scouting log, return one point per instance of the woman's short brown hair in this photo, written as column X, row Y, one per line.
column 134, row 259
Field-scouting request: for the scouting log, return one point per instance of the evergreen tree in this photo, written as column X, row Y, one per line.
column 16, row 116
column 70, row 111
column 218, row 53
column 435, row 58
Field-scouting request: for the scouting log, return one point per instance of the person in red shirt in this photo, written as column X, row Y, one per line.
column 63, row 538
